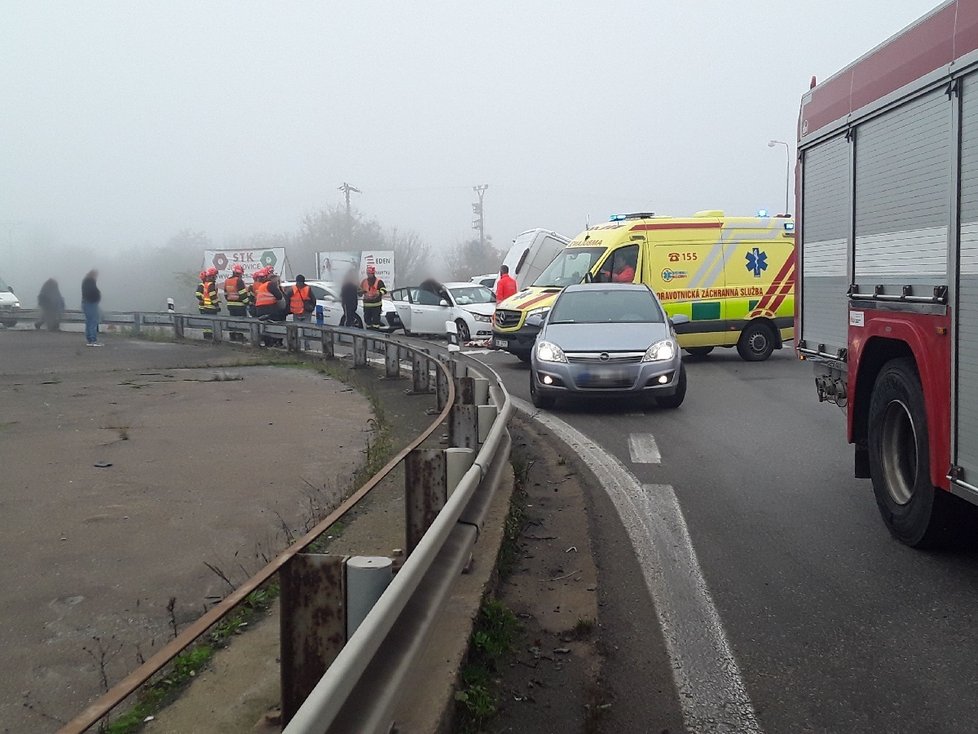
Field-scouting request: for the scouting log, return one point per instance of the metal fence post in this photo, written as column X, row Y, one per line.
column 327, row 339
column 312, row 621
column 366, row 579
column 463, row 426
column 480, row 394
column 255, row 334
column 441, row 390
column 217, row 331
column 486, row 417
column 178, row 326
column 292, row 337
column 359, row 351
column 392, row 360
column 465, row 390
column 426, row 492
column 457, row 462
column 419, row 378
column 137, row 323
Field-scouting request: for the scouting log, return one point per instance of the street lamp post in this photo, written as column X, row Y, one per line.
column 787, row 169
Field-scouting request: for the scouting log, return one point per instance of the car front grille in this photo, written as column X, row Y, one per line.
column 506, row 319
column 605, row 357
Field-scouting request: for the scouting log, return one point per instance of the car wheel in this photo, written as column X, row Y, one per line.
column 463, row 331
column 9, row 323
column 676, row 399
column 523, row 357
column 539, row 399
column 698, row 352
column 756, row 342
column 915, row 512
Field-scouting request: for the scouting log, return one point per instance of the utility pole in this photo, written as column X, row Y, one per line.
column 347, row 189
column 479, row 222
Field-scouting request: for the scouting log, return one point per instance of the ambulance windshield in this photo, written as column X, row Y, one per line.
column 569, row 267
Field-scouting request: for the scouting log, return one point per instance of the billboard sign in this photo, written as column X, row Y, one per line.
column 250, row 260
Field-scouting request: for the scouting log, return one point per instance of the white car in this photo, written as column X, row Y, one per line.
column 426, row 308
column 9, row 305
column 328, row 296
column 488, row 280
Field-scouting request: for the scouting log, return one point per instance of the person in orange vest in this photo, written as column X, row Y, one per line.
column 237, row 296
column 208, row 301
column 372, row 290
column 505, row 285
column 301, row 301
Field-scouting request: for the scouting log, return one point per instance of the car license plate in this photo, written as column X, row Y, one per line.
column 501, row 343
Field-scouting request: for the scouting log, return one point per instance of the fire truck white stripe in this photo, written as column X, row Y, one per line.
column 643, row 449
column 711, row 690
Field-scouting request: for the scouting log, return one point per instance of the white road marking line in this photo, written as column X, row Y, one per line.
column 642, row 449
column 711, row 689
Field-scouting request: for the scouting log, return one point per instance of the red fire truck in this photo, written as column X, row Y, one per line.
column 887, row 309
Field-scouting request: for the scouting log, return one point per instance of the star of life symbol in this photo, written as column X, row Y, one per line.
column 756, row 261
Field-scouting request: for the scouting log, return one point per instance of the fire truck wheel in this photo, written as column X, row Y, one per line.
column 756, row 342
column 899, row 459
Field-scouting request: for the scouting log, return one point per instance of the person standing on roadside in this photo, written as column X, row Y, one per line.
column 348, row 299
column 505, row 285
column 91, row 297
column 237, row 296
column 208, row 301
column 301, row 301
column 372, row 289
column 51, row 304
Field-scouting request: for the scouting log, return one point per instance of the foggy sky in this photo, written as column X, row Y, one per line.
column 125, row 122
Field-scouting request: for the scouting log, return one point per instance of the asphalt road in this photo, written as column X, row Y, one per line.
column 834, row 626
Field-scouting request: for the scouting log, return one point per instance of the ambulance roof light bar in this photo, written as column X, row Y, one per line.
column 632, row 215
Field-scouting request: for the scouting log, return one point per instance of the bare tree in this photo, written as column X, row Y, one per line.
column 467, row 259
column 412, row 256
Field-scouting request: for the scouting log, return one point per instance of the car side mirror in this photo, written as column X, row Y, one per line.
column 679, row 319
column 443, row 302
column 588, row 277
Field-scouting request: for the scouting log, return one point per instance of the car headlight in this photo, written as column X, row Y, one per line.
column 660, row 351
column 537, row 316
column 547, row 352
column 481, row 317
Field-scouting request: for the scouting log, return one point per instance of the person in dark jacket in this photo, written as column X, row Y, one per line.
column 91, row 297
column 51, row 304
column 349, row 297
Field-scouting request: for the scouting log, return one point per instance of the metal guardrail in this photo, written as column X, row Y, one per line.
column 380, row 653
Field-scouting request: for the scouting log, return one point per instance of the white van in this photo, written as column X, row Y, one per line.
column 9, row 305
column 531, row 253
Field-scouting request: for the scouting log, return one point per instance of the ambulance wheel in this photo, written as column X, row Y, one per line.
column 699, row 352
column 676, row 399
column 463, row 331
column 756, row 342
column 899, row 460
column 540, row 400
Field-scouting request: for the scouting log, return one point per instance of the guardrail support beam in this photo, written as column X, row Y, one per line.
column 217, row 332
column 426, row 492
column 178, row 326
column 328, row 352
column 392, row 361
column 487, row 416
column 367, row 577
column 419, row 374
column 441, row 390
column 292, row 337
column 255, row 334
column 465, row 390
column 463, row 427
column 312, row 621
column 359, row 351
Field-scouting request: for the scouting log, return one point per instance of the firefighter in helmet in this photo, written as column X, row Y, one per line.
column 372, row 290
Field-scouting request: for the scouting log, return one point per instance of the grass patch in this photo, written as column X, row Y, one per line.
column 493, row 639
column 510, row 551
column 167, row 684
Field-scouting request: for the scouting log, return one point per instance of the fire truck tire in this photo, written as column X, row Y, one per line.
column 540, row 400
column 756, row 342
column 699, row 352
column 915, row 512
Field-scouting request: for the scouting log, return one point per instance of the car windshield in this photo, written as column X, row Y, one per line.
column 569, row 267
column 467, row 295
column 606, row 305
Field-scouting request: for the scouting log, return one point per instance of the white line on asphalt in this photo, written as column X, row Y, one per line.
column 642, row 449
column 711, row 690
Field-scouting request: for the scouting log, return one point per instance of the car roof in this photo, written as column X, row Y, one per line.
column 462, row 284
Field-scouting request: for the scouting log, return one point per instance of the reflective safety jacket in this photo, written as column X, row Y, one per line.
column 235, row 291
column 263, row 296
column 207, row 297
column 301, row 300
column 373, row 293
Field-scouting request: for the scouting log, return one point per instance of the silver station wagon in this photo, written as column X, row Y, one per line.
column 607, row 339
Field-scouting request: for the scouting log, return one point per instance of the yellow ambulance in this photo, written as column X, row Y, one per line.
column 734, row 277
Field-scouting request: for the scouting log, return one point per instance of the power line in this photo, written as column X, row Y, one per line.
column 348, row 189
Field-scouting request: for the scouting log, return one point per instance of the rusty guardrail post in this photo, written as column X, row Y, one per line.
column 426, row 492
column 327, row 339
column 217, row 331
column 178, row 326
column 465, row 390
column 441, row 390
column 463, row 426
column 137, row 323
column 292, row 337
column 254, row 334
column 392, row 361
column 419, row 377
column 359, row 351
column 312, row 621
